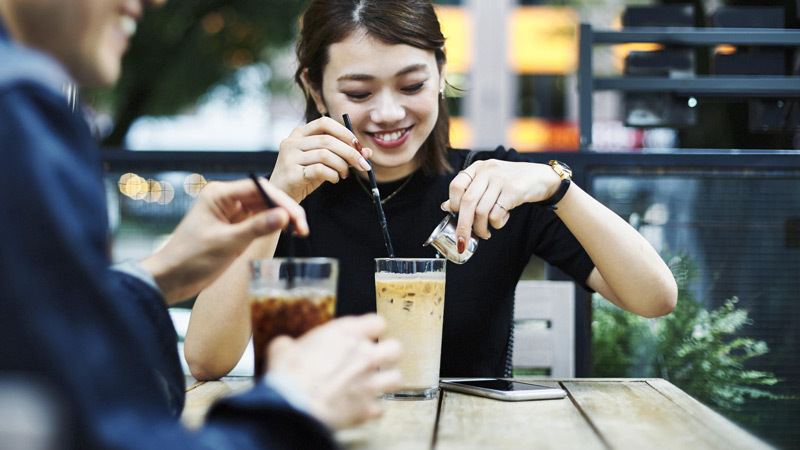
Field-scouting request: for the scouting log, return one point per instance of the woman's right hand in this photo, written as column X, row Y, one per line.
column 319, row 151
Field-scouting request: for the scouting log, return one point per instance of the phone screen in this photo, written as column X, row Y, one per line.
column 503, row 385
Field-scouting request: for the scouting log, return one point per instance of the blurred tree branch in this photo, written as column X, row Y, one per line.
column 186, row 47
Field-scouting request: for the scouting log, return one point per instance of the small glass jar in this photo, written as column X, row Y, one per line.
column 443, row 239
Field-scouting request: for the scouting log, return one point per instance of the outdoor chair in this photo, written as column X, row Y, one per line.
column 544, row 328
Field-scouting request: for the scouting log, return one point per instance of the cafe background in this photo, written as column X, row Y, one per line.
column 711, row 181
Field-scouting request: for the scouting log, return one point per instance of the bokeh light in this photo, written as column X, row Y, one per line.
column 133, row 186
column 194, row 183
column 213, row 23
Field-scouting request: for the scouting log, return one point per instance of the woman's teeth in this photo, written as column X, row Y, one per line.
column 389, row 137
column 128, row 25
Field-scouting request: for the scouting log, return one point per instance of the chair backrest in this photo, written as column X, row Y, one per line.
column 544, row 327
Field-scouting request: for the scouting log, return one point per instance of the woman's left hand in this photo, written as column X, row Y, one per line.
column 485, row 192
column 628, row 270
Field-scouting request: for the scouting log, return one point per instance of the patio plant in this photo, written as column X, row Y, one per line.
column 699, row 350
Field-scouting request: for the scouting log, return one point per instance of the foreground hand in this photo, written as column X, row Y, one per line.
column 485, row 192
column 319, row 151
column 336, row 365
column 220, row 225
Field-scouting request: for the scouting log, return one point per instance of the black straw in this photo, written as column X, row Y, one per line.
column 376, row 198
column 289, row 230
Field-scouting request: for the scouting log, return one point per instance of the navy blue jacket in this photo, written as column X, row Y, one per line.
column 100, row 342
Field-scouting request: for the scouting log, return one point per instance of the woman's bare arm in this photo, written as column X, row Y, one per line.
column 219, row 327
column 628, row 270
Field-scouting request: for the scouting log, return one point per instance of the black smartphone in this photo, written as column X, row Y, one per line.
column 502, row 389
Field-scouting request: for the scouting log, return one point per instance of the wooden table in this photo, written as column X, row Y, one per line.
column 596, row 414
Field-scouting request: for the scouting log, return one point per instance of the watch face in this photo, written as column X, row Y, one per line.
column 561, row 169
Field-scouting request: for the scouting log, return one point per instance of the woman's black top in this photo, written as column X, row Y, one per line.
column 479, row 294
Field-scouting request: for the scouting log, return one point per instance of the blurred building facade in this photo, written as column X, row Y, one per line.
column 513, row 64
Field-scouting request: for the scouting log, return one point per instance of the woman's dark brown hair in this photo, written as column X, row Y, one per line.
column 409, row 22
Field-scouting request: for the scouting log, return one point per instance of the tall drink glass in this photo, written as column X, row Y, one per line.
column 410, row 296
column 289, row 296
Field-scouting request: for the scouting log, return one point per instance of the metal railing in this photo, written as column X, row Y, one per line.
column 700, row 86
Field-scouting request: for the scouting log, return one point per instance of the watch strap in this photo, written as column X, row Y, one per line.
column 565, row 173
column 550, row 203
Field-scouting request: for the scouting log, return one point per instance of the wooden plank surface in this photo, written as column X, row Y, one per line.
column 201, row 395
column 405, row 425
column 634, row 415
column 735, row 437
column 597, row 414
column 472, row 422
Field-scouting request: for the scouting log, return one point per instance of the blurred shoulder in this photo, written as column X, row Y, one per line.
column 24, row 68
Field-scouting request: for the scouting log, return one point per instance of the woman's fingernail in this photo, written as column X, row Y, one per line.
column 364, row 164
column 274, row 221
column 356, row 144
column 443, row 208
column 462, row 245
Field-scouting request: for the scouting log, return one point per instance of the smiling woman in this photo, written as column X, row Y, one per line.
column 391, row 93
column 383, row 63
column 393, row 49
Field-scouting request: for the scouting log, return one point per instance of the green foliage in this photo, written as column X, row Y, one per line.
column 695, row 349
column 184, row 48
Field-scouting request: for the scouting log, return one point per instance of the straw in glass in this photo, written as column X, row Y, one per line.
column 289, row 231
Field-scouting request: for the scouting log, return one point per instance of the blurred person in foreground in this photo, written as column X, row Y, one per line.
column 98, row 341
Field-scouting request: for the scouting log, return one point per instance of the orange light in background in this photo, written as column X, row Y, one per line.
column 153, row 191
column 543, row 40
column 123, row 182
column 458, row 31
column 725, row 49
column 194, row 183
column 213, row 23
column 460, row 133
column 533, row 135
column 138, row 188
column 133, row 186
column 241, row 58
column 620, row 51
column 564, row 136
column 528, row 134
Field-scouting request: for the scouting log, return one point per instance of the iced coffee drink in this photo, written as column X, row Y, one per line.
column 289, row 297
column 289, row 313
column 410, row 296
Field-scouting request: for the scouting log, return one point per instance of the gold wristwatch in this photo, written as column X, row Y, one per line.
column 565, row 173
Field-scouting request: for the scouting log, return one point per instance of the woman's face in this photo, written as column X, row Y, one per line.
column 391, row 94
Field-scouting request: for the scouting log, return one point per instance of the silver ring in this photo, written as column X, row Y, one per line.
column 304, row 172
column 501, row 205
column 467, row 174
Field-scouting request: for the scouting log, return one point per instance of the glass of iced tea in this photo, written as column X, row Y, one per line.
column 409, row 294
column 289, row 296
